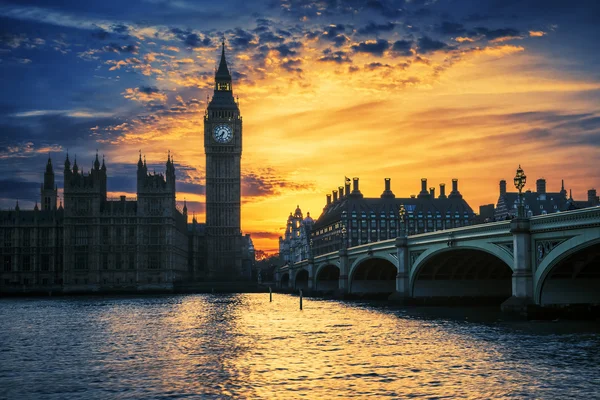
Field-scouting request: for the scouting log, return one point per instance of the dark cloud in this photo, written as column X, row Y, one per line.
column 428, row 45
column 374, row 29
column 264, row 235
column 402, row 47
column 148, row 89
column 192, row 39
column 115, row 48
column 19, row 189
column 267, row 183
column 495, row 33
column 270, row 37
column 339, row 57
column 376, row 47
column 292, row 65
column 241, row 39
column 335, row 34
column 450, row 28
column 376, row 65
column 288, row 49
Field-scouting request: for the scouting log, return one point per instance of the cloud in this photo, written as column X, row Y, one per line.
column 450, row 28
column 402, row 47
column 26, row 150
column 537, row 33
column 374, row 29
column 428, row 45
column 497, row 35
column 145, row 94
column 375, row 47
column 267, row 182
column 339, row 57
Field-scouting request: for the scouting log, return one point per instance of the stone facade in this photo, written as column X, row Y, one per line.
column 296, row 244
column 540, row 201
column 349, row 219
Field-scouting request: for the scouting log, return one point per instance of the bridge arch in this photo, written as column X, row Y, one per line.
column 570, row 273
column 373, row 274
column 462, row 271
column 327, row 277
column 284, row 282
column 301, row 279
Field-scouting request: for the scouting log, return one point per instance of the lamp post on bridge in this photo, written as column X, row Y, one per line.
column 402, row 216
column 520, row 180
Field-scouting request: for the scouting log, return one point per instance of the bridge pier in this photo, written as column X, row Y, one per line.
column 311, row 274
column 522, row 277
column 344, row 267
column 402, row 293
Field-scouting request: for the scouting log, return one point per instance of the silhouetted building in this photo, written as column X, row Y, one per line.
column 367, row 220
column 486, row 214
column 539, row 202
column 95, row 243
column 223, row 148
column 296, row 245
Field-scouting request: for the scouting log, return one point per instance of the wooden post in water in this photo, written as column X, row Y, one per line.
column 270, row 295
column 300, row 299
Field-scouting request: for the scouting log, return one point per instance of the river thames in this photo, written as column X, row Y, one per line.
column 242, row 346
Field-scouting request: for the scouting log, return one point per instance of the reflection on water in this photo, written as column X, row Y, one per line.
column 242, row 346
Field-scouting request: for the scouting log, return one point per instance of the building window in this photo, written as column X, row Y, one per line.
column 105, row 235
column 104, row 261
column 81, row 261
column 81, row 238
column 7, row 238
column 118, row 260
column 26, row 263
column 26, row 237
column 45, row 266
column 7, row 263
column 131, row 261
column 45, row 237
column 153, row 261
column 131, row 235
column 154, row 234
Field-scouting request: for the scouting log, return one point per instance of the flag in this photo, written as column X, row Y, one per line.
column 347, row 179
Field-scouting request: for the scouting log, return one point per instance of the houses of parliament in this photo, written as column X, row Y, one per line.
column 96, row 244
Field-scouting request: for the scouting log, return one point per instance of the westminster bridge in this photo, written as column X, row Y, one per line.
column 543, row 260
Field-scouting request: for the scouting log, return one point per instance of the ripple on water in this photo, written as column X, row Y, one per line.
column 242, row 346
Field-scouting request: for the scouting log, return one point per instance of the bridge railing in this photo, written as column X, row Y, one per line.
column 573, row 218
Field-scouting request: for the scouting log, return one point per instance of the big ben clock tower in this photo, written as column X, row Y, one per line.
column 223, row 148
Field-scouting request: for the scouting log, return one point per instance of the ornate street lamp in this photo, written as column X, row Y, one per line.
column 310, row 248
column 344, row 236
column 520, row 180
column 402, row 215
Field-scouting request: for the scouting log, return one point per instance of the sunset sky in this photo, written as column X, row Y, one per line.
column 406, row 89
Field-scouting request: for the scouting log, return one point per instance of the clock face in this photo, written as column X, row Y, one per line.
column 223, row 133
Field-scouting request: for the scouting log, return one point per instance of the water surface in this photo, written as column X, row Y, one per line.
column 242, row 346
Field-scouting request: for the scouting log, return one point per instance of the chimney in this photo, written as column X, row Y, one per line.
column 442, row 191
column 432, row 192
column 387, row 192
column 341, row 191
column 347, row 191
column 423, row 186
column 355, row 191
column 540, row 185
column 455, row 193
column 328, row 199
column 502, row 187
column 334, row 192
column 592, row 198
